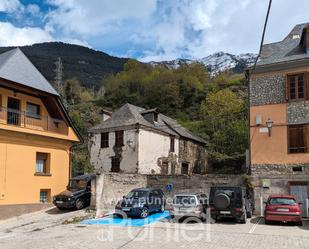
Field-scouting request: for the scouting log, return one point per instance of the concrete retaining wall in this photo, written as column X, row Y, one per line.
column 110, row 187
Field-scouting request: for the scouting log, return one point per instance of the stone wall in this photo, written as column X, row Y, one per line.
column 194, row 154
column 267, row 89
column 278, row 169
column 298, row 112
column 267, row 184
column 192, row 184
column 110, row 187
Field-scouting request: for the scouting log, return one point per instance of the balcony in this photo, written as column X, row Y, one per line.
column 34, row 122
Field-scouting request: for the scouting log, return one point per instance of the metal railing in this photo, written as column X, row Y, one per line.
column 35, row 122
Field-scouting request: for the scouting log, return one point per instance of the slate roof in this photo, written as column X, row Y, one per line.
column 128, row 115
column 15, row 66
column 289, row 49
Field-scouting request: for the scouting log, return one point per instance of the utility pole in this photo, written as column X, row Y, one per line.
column 59, row 77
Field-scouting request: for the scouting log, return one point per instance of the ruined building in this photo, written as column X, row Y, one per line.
column 136, row 140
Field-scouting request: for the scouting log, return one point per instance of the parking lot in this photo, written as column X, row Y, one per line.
column 48, row 229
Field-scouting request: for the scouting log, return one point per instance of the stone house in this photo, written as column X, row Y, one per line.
column 279, row 117
column 140, row 141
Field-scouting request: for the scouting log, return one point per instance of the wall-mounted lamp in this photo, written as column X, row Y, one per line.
column 269, row 124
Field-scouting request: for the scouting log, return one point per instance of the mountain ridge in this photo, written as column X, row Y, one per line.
column 90, row 66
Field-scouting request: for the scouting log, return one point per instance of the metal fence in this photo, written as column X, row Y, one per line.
column 36, row 122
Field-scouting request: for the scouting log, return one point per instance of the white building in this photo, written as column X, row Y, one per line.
column 136, row 140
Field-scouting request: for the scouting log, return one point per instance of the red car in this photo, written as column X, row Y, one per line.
column 282, row 208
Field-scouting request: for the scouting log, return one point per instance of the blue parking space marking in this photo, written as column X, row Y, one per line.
column 135, row 222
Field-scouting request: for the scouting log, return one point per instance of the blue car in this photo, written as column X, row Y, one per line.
column 140, row 202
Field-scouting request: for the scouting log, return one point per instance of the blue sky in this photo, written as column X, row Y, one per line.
column 150, row 29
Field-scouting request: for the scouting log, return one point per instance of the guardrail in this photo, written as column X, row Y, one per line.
column 31, row 121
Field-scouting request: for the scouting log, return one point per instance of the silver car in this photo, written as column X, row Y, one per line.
column 189, row 205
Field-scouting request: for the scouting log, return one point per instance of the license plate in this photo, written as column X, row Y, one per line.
column 126, row 209
column 225, row 212
column 282, row 209
column 59, row 202
column 183, row 209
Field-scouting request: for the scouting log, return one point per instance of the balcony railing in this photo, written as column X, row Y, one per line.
column 35, row 122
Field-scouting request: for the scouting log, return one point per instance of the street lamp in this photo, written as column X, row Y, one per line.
column 269, row 124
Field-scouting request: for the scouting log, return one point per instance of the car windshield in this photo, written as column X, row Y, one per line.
column 282, row 201
column 137, row 194
column 185, row 200
column 229, row 193
column 75, row 185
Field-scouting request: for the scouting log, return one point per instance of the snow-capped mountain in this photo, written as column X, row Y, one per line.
column 217, row 62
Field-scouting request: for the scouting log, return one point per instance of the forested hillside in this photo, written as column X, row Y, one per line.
column 212, row 107
column 87, row 65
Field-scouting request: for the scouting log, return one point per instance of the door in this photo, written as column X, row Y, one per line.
column 13, row 115
column 301, row 194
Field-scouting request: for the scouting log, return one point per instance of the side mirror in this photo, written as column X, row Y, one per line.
column 265, row 202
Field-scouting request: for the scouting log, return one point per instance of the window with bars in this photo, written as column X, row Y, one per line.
column 44, row 195
column 119, row 139
column 104, row 140
column 297, row 135
column 296, row 87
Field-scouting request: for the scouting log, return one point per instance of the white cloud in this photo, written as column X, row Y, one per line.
column 10, row 5
column 98, row 16
column 14, row 36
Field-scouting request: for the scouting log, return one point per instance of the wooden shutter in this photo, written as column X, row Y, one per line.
column 306, row 85
column 287, row 88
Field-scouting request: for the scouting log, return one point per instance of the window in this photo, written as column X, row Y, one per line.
column 104, row 140
column 44, row 195
column 297, row 135
column 296, row 87
column 297, row 169
column 119, row 138
column 184, row 169
column 172, row 144
column 115, row 164
column 33, row 110
column 42, row 163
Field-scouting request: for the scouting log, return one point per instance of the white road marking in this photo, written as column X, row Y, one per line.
column 255, row 225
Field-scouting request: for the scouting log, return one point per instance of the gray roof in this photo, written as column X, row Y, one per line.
column 289, row 49
column 128, row 115
column 16, row 67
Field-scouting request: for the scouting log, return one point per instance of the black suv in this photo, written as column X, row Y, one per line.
column 77, row 195
column 141, row 202
column 233, row 202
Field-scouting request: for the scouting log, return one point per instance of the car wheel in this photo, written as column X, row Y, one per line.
column 144, row 213
column 267, row 222
column 300, row 223
column 162, row 209
column 79, row 204
column 243, row 220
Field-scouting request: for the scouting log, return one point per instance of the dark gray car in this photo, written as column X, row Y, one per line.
column 231, row 202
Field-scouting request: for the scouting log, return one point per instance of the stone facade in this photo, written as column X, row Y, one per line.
column 267, row 89
column 147, row 152
column 298, row 112
column 194, row 155
column 279, row 169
